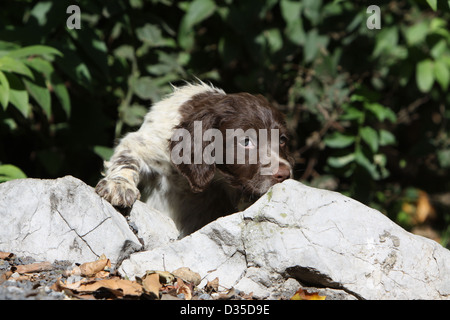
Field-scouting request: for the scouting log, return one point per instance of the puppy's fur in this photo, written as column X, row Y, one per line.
column 194, row 194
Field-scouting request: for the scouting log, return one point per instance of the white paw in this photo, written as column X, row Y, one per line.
column 120, row 193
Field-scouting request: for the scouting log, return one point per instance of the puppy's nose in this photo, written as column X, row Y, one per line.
column 282, row 174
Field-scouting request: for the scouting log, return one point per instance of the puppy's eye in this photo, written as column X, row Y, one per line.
column 283, row 140
column 247, row 143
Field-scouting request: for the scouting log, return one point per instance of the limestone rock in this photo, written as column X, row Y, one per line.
column 314, row 237
column 62, row 219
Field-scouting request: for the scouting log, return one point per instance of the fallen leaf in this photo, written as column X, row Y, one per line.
column 151, row 284
column 116, row 286
column 33, row 267
column 6, row 255
column 89, row 269
column 5, row 276
column 304, row 295
column 184, row 289
column 165, row 277
column 212, row 286
column 231, row 294
column 188, row 275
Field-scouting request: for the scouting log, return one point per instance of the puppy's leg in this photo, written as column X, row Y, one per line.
column 119, row 186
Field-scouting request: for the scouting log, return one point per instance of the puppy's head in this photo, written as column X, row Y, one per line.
column 240, row 135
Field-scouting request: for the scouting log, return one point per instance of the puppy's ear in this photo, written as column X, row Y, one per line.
column 186, row 149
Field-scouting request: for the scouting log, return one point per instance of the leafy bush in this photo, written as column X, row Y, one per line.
column 367, row 108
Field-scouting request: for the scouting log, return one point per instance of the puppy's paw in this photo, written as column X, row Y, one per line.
column 119, row 193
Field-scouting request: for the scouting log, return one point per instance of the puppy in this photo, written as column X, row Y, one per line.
column 197, row 154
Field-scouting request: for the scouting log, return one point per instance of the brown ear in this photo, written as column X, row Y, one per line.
column 189, row 149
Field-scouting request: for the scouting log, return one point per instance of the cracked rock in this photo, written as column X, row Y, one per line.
column 62, row 219
column 313, row 238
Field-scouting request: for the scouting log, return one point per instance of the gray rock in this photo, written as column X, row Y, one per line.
column 151, row 226
column 61, row 219
column 315, row 237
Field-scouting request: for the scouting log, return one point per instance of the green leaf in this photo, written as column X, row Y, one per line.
column 386, row 138
column 439, row 49
column 416, row 33
column 291, row 12
column 40, row 65
column 370, row 136
column 134, row 115
column 62, row 94
column 442, row 74
column 145, row 88
column 39, row 91
column 150, row 34
column 10, row 172
column 444, row 158
column 351, row 113
column 274, row 39
column 9, row 64
column 103, row 152
column 198, row 11
column 4, row 90
column 433, row 4
column 313, row 43
column 367, row 164
column 381, row 112
column 339, row 162
column 425, row 75
column 339, row 140
column 34, row 50
column 386, row 41
column 18, row 95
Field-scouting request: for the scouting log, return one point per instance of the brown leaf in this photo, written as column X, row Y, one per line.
column 424, row 208
column 212, row 286
column 89, row 269
column 304, row 295
column 6, row 255
column 151, row 284
column 165, row 277
column 231, row 294
column 184, row 289
column 33, row 267
column 118, row 287
column 188, row 275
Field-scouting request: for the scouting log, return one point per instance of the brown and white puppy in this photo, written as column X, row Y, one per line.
column 198, row 152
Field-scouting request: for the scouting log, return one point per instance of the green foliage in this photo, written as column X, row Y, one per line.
column 10, row 172
column 368, row 109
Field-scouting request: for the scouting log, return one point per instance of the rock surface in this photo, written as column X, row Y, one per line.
column 64, row 219
column 294, row 236
column 301, row 235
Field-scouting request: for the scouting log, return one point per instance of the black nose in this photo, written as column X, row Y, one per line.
column 282, row 173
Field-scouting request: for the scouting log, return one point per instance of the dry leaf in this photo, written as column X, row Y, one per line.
column 184, row 289
column 165, row 277
column 33, row 267
column 6, row 255
column 151, row 284
column 89, row 269
column 304, row 295
column 212, row 286
column 118, row 287
column 188, row 275
column 424, row 208
column 127, row 287
column 231, row 294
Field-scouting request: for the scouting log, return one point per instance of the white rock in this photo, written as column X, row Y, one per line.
column 61, row 219
column 152, row 227
column 320, row 238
